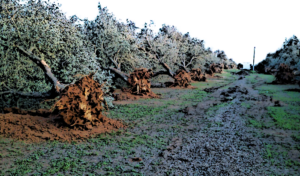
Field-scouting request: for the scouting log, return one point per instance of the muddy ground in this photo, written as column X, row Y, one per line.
column 229, row 125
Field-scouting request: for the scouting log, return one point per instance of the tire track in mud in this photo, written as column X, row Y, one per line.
column 228, row 146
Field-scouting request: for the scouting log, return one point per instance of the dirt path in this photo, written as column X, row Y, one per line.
column 227, row 147
column 230, row 146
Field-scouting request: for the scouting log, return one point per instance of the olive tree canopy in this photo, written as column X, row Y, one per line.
column 41, row 50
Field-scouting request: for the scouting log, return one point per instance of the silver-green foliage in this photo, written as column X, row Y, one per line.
column 288, row 54
column 171, row 47
column 114, row 41
column 42, row 29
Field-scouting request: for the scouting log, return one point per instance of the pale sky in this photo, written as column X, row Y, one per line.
column 235, row 26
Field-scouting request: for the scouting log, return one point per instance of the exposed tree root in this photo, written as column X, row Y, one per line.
column 139, row 86
column 284, row 75
column 196, row 75
column 81, row 103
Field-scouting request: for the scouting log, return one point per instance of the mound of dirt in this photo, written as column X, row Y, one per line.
column 285, row 75
column 196, row 75
column 139, row 86
column 231, row 93
column 81, row 103
column 125, row 94
column 38, row 129
column 241, row 77
column 242, row 72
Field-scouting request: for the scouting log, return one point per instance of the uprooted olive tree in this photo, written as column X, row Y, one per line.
column 41, row 51
column 126, row 52
column 171, row 53
column 284, row 74
column 284, row 63
column 129, row 54
column 288, row 54
column 115, row 43
column 217, row 61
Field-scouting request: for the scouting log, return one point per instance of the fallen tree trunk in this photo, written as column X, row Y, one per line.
column 57, row 86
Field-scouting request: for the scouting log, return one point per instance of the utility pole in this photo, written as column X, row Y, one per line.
column 253, row 58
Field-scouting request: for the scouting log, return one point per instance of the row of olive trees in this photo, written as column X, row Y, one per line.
column 123, row 48
column 41, row 50
column 288, row 54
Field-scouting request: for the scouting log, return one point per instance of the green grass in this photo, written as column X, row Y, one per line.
column 227, row 78
column 253, row 80
column 194, row 95
column 278, row 92
column 255, row 123
column 296, row 137
column 286, row 117
column 208, row 84
column 232, row 70
column 132, row 112
column 273, row 154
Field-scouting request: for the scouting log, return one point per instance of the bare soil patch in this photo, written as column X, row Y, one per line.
column 39, row 129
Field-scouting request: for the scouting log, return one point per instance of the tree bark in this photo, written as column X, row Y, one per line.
column 123, row 75
column 57, row 86
column 45, row 67
column 169, row 70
